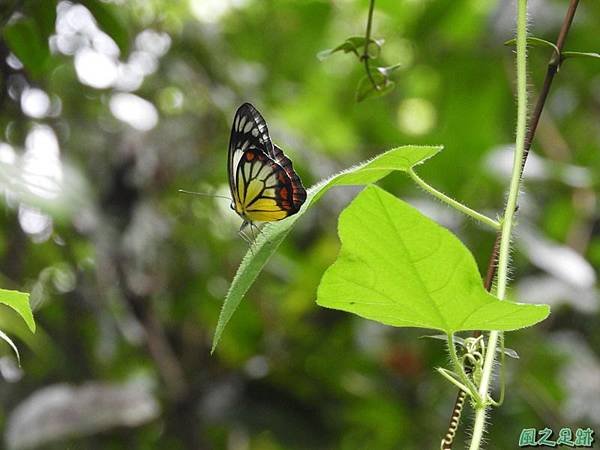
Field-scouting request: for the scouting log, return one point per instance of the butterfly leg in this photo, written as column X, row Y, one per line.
column 245, row 237
column 258, row 230
column 243, row 234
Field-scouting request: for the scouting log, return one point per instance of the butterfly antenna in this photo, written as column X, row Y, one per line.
column 203, row 194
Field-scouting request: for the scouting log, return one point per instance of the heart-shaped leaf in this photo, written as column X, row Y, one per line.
column 401, row 158
column 400, row 268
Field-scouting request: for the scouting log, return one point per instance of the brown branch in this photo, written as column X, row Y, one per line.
column 551, row 71
column 553, row 67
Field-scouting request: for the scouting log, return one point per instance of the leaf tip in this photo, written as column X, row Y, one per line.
column 215, row 341
column 324, row 54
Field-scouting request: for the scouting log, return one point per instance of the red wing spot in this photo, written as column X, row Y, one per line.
column 283, row 192
column 250, row 156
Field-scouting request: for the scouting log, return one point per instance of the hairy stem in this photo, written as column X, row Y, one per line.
column 507, row 220
column 553, row 66
column 456, row 205
column 551, row 71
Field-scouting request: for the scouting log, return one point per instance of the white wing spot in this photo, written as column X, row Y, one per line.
column 263, row 173
column 255, row 132
column 252, row 167
column 240, row 126
column 247, row 171
column 248, row 127
column 271, row 179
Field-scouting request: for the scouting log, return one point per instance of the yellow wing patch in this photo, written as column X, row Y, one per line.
column 263, row 183
column 260, row 185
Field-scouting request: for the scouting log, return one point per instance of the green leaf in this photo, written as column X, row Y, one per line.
column 9, row 341
column 110, row 21
column 374, row 48
column 27, row 43
column 566, row 55
column 19, row 301
column 458, row 340
column 271, row 236
column 44, row 14
column 536, row 42
column 387, row 71
column 365, row 88
column 354, row 44
column 400, row 268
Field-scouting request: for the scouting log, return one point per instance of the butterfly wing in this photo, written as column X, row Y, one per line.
column 248, row 131
column 264, row 189
column 298, row 192
column 264, row 185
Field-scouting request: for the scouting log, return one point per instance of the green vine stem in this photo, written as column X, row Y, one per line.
column 507, row 221
column 456, row 205
column 551, row 71
column 365, row 56
column 460, row 370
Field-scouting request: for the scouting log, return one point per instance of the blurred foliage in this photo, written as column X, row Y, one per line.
column 19, row 303
column 108, row 108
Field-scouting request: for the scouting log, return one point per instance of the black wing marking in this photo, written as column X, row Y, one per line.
column 298, row 191
column 248, row 131
column 269, row 180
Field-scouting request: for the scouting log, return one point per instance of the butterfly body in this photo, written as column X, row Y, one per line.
column 264, row 186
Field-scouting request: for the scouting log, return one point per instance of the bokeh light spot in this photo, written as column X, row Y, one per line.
column 134, row 111
column 95, row 69
column 35, row 103
column 416, row 116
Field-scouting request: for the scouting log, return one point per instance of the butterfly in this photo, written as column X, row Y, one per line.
column 264, row 186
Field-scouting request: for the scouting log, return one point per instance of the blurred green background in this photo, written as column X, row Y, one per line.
column 108, row 108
